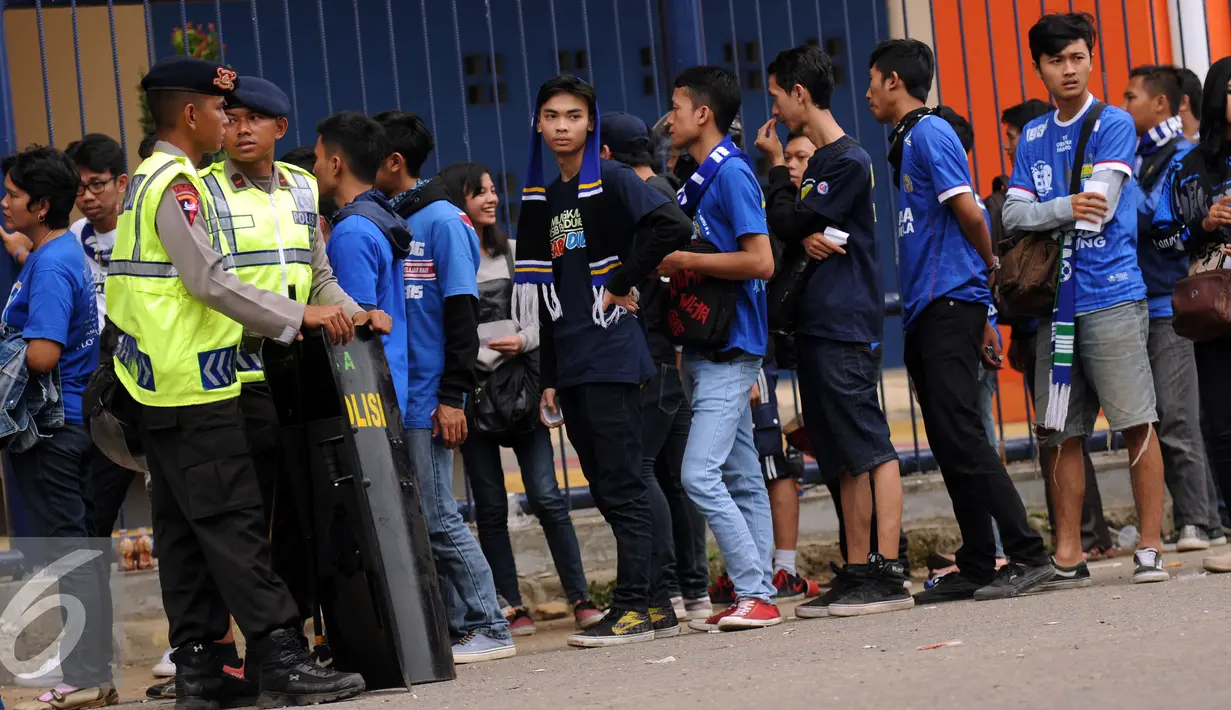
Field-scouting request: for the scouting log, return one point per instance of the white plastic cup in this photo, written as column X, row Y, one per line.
column 1101, row 188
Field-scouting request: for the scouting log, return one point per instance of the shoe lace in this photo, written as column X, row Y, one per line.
column 466, row 639
column 745, row 606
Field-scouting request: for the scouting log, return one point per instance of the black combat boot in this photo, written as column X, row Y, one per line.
column 202, row 684
column 289, row 677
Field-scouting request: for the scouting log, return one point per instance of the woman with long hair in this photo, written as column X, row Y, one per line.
column 51, row 321
column 502, row 340
column 1197, row 214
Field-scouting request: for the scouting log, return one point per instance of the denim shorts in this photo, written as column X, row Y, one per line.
column 842, row 413
column 1111, row 371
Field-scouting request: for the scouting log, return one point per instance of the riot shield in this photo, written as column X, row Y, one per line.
column 356, row 504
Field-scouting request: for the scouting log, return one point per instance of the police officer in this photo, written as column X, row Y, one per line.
column 181, row 314
column 267, row 216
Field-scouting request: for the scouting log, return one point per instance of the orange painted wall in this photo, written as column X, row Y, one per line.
column 982, row 72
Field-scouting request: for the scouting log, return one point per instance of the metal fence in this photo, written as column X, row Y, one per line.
column 469, row 67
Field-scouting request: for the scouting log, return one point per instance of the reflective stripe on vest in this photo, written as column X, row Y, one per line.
column 175, row 350
column 270, row 233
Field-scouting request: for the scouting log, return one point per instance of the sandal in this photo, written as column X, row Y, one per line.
column 79, row 699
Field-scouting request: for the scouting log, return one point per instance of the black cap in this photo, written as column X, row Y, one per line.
column 261, row 96
column 625, row 134
column 191, row 74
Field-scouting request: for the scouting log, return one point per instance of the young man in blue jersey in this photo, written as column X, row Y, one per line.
column 722, row 472
column 945, row 260
column 1153, row 98
column 839, row 325
column 1096, row 354
column 440, row 301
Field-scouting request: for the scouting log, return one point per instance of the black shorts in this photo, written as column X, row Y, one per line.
column 842, row 413
column 767, row 428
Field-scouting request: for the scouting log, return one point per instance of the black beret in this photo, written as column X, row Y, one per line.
column 191, row 74
column 261, row 96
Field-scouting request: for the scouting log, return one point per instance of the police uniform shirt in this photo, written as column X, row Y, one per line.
column 325, row 289
column 181, row 224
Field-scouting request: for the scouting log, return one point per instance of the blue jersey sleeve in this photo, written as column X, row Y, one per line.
column 1115, row 142
column 50, row 305
column 742, row 201
column 946, row 162
column 630, row 192
column 1022, row 180
column 456, row 256
column 354, row 255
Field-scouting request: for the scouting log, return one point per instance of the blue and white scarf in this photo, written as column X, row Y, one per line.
column 689, row 196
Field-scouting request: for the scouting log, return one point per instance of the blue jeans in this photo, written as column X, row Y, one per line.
column 466, row 579
column 56, row 489
column 481, row 457
column 722, row 473
column 988, row 384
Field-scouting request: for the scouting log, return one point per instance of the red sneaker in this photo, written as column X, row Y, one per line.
column 791, row 587
column 710, row 624
column 750, row 613
column 586, row 614
column 520, row 623
column 722, row 591
column 814, row 589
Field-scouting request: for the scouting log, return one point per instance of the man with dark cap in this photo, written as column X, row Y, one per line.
column 267, row 214
column 181, row 316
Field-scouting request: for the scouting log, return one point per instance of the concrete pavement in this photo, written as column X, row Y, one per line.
column 1113, row 645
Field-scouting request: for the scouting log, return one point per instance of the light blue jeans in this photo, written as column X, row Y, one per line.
column 465, row 578
column 722, row 473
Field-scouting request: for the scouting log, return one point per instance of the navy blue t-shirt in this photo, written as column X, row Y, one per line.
column 845, row 297
column 585, row 351
column 53, row 299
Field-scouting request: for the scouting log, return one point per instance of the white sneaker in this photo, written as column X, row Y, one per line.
column 166, row 667
column 699, row 608
column 677, row 603
column 48, row 675
column 1149, row 566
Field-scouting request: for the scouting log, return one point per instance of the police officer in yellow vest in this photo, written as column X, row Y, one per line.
column 267, row 217
column 182, row 312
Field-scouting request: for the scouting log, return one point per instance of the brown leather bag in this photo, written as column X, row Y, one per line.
column 1202, row 305
column 1030, row 270
column 1026, row 282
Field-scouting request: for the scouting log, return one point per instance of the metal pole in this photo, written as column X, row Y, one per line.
column 1102, row 52
column 461, row 79
column 77, row 59
column 503, row 183
column 761, row 57
column 735, row 63
column 914, row 425
column 790, row 23
column 149, row 34
column 936, row 51
column 256, row 40
column 393, row 55
column 427, row 71
column 1017, row 35
column 987, row 8
column 555, row 38
column 568, row 492
column 1154, row 43
column 850, row 65
column 585, row 30
column 363, row 81
column 119, row 92
column 961, row 29
column 1128, row 44
column 658, row 96
column 320, row 19
column 222, row 48
column 290, row 52
column 619, row 47
column 42, row 55
column 184, row 26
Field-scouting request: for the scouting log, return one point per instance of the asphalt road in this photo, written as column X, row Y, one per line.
column 1113, row 645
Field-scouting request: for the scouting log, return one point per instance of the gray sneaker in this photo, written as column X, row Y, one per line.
column 1014, row 579
column 1073, row 577
column 474, row 648
column 1192, row 538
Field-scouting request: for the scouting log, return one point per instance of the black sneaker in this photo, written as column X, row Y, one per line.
column 844, row 579
column 162, row 691
column 666, row 624
column 1149, row 566
column 201, row 683
column 1073, row 577
column 947, row 588
column 618, row 627
column 879, row 590
column 289, row 677
column 1014, row 579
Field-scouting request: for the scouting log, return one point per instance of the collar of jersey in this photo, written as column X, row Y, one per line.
column 1065, row 124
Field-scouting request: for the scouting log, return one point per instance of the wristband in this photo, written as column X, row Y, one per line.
column 995, row 264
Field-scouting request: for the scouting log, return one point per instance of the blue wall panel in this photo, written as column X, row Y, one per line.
column 342, row 54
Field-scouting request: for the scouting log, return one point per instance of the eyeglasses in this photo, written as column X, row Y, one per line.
column 94, row 186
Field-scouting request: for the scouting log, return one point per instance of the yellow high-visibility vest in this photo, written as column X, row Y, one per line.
column 175, row 350
column 269, row 235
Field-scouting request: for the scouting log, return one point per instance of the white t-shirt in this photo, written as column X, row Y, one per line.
column 98, row 252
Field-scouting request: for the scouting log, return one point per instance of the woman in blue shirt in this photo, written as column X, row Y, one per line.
column 52, row 308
